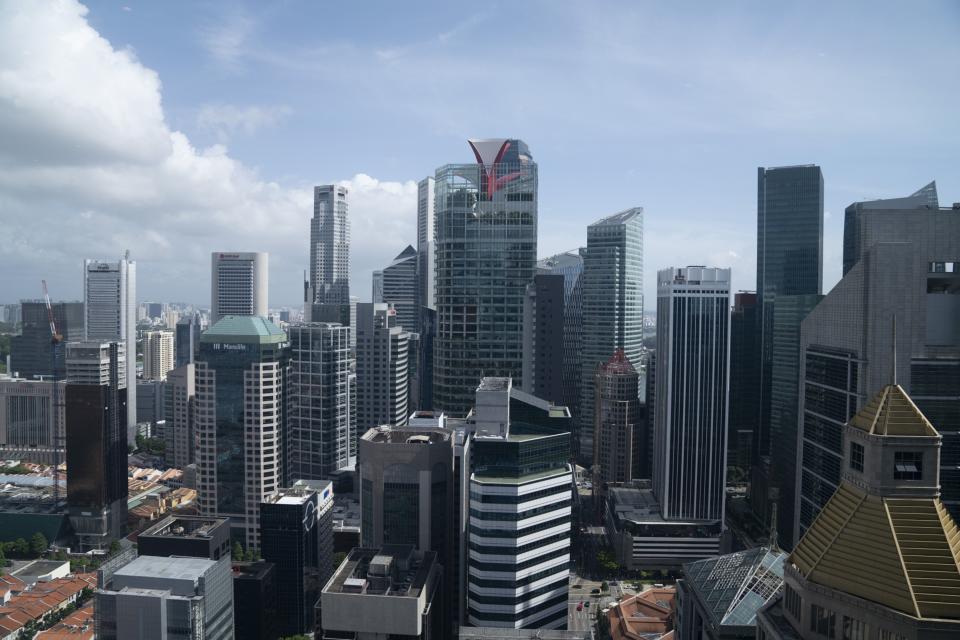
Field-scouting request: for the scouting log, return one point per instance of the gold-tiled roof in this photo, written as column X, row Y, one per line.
column 892, row 413
column 900, row 552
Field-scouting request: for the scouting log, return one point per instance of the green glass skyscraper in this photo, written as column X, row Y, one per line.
column 486, row 253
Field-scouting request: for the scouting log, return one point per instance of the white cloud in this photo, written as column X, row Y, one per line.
column 225, row 120
column 89, row 168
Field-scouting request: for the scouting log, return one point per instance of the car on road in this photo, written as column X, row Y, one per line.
column 587, row 604
column 578, row 586
column 580, row 606
column 594, row 591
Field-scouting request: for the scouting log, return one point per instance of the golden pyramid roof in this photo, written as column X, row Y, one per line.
column 892, row 413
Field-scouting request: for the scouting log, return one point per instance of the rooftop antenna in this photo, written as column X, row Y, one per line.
column 773, row 527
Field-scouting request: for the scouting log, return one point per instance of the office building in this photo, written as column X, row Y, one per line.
column 906, row 271
column 31, row 352
column 486, row 252
column 238, row 284
column 186, row 536
column 151, row 399
column 392, row 590
column 789, row 262
column 399, row 288
column 180, row 414
column 612, row 294
column 187, row 337
column 110, row 308
column 296, row 534
column 718, row 598
column 413, row 372
column 329, row 247
column 382, row 351
column 157, row 354
column 256, row 601
column 322, row 421
column 427, row 336
column 543, row 337
column 96, row 441
column 693, row 348
column 377, row 289
column 153, row 598
column 520, row 512
column 744, row 377
column 880, row 561
column 241, row 382
column 425, row 245
column 620, row 435
column 31, row 419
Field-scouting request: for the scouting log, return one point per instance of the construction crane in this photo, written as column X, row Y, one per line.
column 56, row 347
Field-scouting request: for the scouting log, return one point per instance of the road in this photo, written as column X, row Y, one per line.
column 584, row 620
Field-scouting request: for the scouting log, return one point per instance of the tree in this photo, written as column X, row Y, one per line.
column 39, row 544
column 237, row 552
column 604, row 586
column 603, row 625
column 114, row 547
column 21, row 547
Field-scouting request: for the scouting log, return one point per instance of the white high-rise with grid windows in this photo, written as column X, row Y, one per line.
column 238, row 284
column 157, row 354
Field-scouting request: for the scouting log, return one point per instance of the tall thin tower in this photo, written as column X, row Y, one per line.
column 329, row 247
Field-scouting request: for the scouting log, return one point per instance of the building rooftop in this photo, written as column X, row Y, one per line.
column 494, row 384
column 647, row 615
column 892, row 413
column 392, row 570
column 735, row 586
column 618, row 364
column 619, row 218
column 172, row 568
column 405, row 435
column 253, row 329
column 185, row 527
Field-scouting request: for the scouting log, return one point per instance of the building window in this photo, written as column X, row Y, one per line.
column 791, row 602
column 907, row 465
column 822, row 621
column 856, row 456
column 886, row 634
column 854, row 629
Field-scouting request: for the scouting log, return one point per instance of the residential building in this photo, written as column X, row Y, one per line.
column 241, row 383
column 187, row 338
column 383, row 591
column 382, row 351
column 426, row 268
column 31, row 352
column 296, row 534
column 329, row 247
column 693, row 348
column 880, row 559
column 789, row 263
column 486, row 252
column 718, row 598
column 31, row 419
column 543, row 337
column 238, row 284
column 399, row 288
column 612, row 295
column 153, row 598
column 620, row 435
column 96, row 441
column 110, row 308
column 521, row 488
column 322, row 419
column 158, row 357
column 180, row 411
column 907, row 273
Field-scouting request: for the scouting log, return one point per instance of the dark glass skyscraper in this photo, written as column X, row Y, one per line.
column 486, row 252
column 30, row 355
column 789, row 263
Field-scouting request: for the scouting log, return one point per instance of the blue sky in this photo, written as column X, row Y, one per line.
column 181, row 128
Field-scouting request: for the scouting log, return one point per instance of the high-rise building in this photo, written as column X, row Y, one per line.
column 520, row 513
column 620, row 435
column 157, row 354
column 744, row 378
column 187, row 339
column 96, row 441
column 906, row 271
column 612, row 293
column 296, row 530
column 382, row 351
column 110, row 308
column 30, row 352
column 486, row 252
column 693, row 349
column 543, row 337
column 241, row 384
column 880, row 560
column 31, row 419
column 151, row 396
column 155, row 597
column 789, row 261
column 329, row 247
column 256, row 601
column 322, row 421
column 180, row 407
column 187, row 537
column 399, row 288
column 376, row 293
column 238, row 284
column 427, row 336
column 426, row 269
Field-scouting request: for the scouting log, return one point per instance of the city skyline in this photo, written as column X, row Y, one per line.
column 168, row 187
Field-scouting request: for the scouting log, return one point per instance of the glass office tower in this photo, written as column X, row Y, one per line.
column 486, row 252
